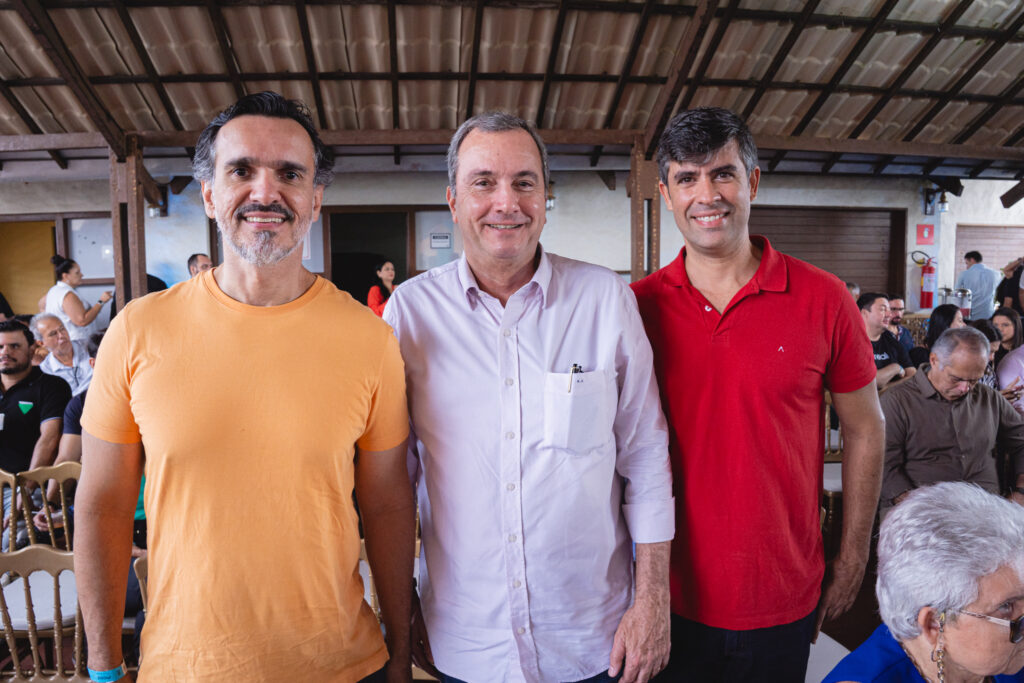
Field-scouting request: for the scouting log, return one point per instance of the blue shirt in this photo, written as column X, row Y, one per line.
column 880, row 659
column 982, row 281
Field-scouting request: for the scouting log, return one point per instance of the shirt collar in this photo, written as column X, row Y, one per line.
column 541, row 278
column 33, row 374
column 771, row 275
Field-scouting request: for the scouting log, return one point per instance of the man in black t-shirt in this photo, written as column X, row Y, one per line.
column 891, row 359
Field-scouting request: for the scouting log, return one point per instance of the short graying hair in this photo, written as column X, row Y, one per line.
column 492, row 122
column 40, row 317
column 952, row 339
column 937, row 544
column 269, row 104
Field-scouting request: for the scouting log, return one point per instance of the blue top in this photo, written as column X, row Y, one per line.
column 880, row 659
column 982, row 281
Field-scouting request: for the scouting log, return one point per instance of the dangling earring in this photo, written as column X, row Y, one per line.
column 939, row 653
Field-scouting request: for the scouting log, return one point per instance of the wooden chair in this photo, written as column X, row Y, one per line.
column 8, row 482
column 64, row 477
column 40, row 605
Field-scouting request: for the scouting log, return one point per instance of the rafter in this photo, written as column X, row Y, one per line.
column 474, row 63
column 683, row 61
column 780, row 57
column 393, row 60
column 224, row 42
column 709, row 53
column 627, row 68
column 314, row 74
column 46, row 34
column 549, row 71
column 30, row 122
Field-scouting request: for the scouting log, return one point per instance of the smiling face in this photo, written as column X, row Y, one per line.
column 876, row 317
column 498, row 202
column 711, row 201
column 262, row 195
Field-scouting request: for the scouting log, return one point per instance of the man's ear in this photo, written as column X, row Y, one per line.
column 206, row 188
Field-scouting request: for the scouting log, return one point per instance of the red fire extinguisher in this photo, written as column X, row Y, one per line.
column 928, row 278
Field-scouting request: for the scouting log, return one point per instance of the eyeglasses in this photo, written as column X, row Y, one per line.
column 1016, row 625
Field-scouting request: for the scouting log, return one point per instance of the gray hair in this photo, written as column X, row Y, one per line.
column 952, row 339
column 492, row 122
column 40, row 317
column 937, row 544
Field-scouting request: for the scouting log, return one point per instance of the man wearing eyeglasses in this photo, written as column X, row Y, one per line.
column 942, row 424
column 897, row 308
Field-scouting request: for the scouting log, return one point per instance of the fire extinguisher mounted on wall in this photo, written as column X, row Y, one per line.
column 928, row 278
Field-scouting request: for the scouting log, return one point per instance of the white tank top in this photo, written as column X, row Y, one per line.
column 55, row 305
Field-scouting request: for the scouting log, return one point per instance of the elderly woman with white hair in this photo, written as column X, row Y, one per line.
column 950, row 591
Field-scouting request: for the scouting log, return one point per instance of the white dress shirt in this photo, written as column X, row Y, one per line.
column 530, row 494
column 77, row 375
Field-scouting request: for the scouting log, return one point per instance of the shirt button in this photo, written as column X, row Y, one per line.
column 707, row 308
column 511, row 538
column 510, row 487
column 520, row 630
column 507, row 332
column 509, row 381
column 510, row 435
column 517, row 583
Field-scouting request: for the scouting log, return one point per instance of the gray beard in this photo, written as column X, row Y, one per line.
column 263, row 252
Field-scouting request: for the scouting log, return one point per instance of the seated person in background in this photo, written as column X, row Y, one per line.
column 950, row 592
column 1008, row 323
column 66, row 359
column 1015, row 387
column 197, row 263
column 1010, row 372
column 896, row 309
column 944, row 317
column 1008, row 292
column 943, row 424
column 891, row 358
column 379, row 294
column 31, row 407
column 854, row 289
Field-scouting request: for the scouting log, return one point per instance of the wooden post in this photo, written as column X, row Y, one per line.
column 636, row 211
column 118, row 222
column 134, row 173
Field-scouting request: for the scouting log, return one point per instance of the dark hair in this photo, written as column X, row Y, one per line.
column 986, row 328
column 493, row 122
column 939, row 321
column 93, row 345
column 696, row 134
column 61, row 266
column 1011, row 315
column 193, row 260
column 384, row 291
column 867, row 300
column 17, row 326
column 973, row 255
column 263, row 104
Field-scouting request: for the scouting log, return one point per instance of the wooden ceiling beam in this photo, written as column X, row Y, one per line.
column 56, row 141
column 393, row 61
column 38, row 21
column 314, row 74
column 709, row 54
column 683, row 61
column 780, row 57
column 1013, row 195
column 888, row 148
column 627, row 68
column 30, row 122
column 220, row 29
column 978, row 64
column 549, row 70
column 474, row 62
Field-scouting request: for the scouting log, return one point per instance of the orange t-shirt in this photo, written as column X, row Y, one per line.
column 249, row 417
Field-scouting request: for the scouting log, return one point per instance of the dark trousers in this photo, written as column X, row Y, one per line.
column 705, row 654
column 602, row 677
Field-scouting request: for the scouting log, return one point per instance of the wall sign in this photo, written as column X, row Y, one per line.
column 925, row 233
column 440, row 240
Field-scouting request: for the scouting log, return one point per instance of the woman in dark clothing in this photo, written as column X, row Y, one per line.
column 1007, row 322
column 942, row 318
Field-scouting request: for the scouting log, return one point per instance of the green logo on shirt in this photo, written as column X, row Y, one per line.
column 25, row 406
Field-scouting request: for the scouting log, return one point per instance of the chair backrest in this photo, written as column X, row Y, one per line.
column 142, row 574
column 62, row 478
column 9, row 485
column 39, row 604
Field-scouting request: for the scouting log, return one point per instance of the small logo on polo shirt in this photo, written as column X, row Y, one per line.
column 781, row 350
column 25, row 406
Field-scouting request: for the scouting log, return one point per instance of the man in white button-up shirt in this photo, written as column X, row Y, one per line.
column 66, row 359
column 539, row 446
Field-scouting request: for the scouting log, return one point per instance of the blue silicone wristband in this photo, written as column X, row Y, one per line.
column 108, row 676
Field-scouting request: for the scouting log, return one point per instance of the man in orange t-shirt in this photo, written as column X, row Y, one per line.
column 251, row 456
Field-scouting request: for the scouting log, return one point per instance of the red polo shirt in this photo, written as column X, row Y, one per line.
column 743, row 394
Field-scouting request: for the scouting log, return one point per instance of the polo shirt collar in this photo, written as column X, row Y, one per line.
column 771, row 276
column 541, row 279
column 920, row 380
column 33, row 374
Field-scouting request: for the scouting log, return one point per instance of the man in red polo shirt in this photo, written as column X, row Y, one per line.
column 746, row 341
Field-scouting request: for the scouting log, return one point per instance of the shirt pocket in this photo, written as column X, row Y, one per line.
column 578, row 421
